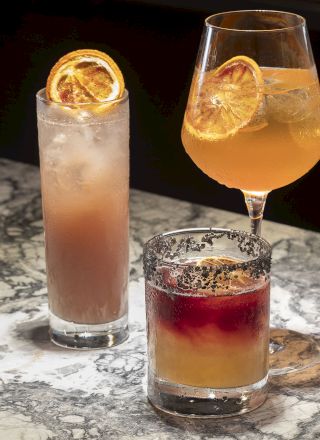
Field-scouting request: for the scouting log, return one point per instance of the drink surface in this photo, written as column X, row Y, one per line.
column 279, row 145
column 84, row 180
column 208, row 339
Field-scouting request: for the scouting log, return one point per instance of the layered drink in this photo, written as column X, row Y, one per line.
column 207, row 301
column 209, row 339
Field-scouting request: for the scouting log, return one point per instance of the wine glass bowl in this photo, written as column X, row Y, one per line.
column 253, row 113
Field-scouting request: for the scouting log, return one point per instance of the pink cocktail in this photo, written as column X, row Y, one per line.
column 84, row 182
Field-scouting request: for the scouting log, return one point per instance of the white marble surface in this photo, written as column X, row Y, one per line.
column 50, row 393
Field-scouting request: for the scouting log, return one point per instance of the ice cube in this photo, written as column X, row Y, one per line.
column 84, row 115
column 290, row 107
column 60, row 138
column 306, row 133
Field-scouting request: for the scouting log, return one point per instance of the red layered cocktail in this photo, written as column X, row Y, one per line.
column 207, row 301
column 206, row 338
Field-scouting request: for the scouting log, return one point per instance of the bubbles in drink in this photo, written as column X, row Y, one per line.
column 78, row 155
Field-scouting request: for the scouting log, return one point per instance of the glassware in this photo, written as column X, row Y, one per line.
column 84, row 183
column 254, row 125
column 207, row 303
column 252, row 120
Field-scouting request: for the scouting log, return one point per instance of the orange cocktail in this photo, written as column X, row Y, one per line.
column 268, row 139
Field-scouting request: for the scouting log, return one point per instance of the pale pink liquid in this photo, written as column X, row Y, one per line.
column 85, row 205
column 87, row 258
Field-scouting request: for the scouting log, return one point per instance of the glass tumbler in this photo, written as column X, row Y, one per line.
column 84, row 163
column 207, row 305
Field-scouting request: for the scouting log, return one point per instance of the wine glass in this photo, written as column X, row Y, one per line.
column 252, row 121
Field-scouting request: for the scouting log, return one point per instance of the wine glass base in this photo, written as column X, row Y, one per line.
column 291, row 351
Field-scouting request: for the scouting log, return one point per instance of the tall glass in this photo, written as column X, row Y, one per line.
column 84, row 183
column 252, row 121
column 207, row 303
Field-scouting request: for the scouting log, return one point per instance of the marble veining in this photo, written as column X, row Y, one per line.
column 50, row 393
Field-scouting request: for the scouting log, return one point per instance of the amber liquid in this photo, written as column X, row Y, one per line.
column 280, row 144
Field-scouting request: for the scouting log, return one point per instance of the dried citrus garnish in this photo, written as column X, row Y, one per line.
column 224, row 100
column 216, row 261
column 85, row 76
column 227, row 281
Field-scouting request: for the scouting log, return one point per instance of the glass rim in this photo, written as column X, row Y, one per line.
column 302, row 21
column 265, row 253
column 42, row 97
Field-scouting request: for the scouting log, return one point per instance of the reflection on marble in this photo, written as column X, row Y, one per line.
column 50, row 393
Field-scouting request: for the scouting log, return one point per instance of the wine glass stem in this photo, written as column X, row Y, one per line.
column 255, row 202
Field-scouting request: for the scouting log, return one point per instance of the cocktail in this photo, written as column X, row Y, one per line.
column 252, row 120
column 207, row 301
column 83, row 130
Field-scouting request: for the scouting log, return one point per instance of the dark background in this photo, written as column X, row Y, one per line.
column 155, row 44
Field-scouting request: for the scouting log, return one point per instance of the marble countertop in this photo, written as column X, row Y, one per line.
column 50, row 393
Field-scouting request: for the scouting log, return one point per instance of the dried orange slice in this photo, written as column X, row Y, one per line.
column 216, row 261
column 232, row 281
column 224, row 100
column 85, row 76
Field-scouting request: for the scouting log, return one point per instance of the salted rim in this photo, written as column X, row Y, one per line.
column 265, row 252
column 41, row 96
column 302, row 21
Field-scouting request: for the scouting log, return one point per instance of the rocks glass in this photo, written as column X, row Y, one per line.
column 207, row 300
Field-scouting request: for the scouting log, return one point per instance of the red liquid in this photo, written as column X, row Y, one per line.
column 210, row 341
